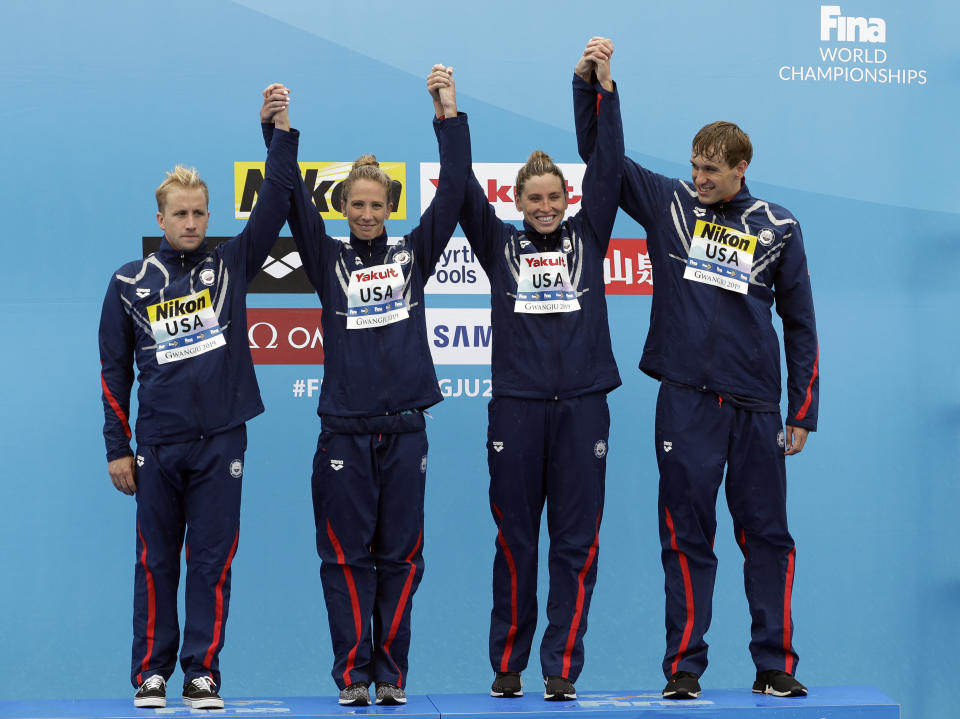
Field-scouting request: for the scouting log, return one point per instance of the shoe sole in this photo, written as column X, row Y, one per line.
column 559, row 697
column 353, row 702
column 391, row 702
column 203, row 703
column 150, row 702
column 506, row 695
column 774, row 693
column 682, row 695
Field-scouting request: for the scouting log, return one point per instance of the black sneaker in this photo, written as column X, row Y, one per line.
column 558, row 689
column 390, row 694
column 152, row 693
column 201, row 693
column 779, row 684
column 355, row 695
column 507, row 685
column 682, row 685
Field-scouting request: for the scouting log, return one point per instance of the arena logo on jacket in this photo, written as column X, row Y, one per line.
column 185, row 327
column 721, row 257
column 324, row 180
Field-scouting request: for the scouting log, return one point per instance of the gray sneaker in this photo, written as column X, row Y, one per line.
column 390, row 694
column 355, row 695
column 152, row 693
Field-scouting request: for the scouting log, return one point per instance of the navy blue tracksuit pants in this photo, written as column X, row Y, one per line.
column 553, row 451
column 194, row 487
column 697, row 434
column 368, row 492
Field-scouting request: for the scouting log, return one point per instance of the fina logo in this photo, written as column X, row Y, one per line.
column 850, row 29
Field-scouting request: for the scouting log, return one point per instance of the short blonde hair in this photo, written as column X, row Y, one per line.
column 181, row 177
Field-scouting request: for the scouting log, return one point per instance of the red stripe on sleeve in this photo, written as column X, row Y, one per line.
column 809, row 398
column 115, row 406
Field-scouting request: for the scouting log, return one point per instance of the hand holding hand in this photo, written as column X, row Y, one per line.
column 595, row 61
column 276, row 103
column 443, row 91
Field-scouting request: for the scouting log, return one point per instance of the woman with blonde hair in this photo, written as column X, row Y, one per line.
column 370, row 466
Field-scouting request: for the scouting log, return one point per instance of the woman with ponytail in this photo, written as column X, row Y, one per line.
column 370, row 465
column 548, row 420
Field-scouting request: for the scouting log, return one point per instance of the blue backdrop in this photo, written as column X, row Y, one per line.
column 854, row 132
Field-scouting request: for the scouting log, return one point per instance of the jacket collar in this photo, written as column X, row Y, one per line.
column 168, row 253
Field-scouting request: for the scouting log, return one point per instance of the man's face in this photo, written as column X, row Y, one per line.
column 714, row 179
column 543, row 202
column 366, row 209
column 184, row 218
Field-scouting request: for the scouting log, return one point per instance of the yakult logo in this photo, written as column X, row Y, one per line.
column 377, row 275
column 549, row 262
column 850, row 29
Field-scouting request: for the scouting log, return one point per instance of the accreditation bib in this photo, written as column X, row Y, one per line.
column 375, row 297
column 543, row 286
column 185, row 327
column 721, row 257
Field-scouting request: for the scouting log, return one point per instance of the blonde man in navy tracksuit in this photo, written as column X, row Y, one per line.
column 370, row 466
column 548, row 420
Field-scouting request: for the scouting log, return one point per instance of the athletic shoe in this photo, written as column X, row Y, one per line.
column 558, row 689
column 355, row 695
column 390, row 694
column 201, row 693
column 152, row 693
column 682, row 685
column 779, row 684
column 507, row 685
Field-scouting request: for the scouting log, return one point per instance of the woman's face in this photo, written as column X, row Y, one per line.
column 366, row 209
column 543, row 202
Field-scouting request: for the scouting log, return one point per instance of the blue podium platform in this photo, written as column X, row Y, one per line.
column 822, row 703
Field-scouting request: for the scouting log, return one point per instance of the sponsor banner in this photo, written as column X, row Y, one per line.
column 450, row 387
column 852, row 50
column 284, row 336
column 459, row 335
column 458, row 272
column 324, row 183
column 497, row 180
column 626, row 268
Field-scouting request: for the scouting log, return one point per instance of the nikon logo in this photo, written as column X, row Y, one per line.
column 850, row 29
column 180, row 306
column 324, row 181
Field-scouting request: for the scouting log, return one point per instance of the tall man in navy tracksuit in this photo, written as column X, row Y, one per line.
column 721, row 259
column 180, row 315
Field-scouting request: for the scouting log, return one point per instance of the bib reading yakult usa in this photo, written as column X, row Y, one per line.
column 375, row 297
column 721, row 257
column 544, row 284
column 185, row 327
